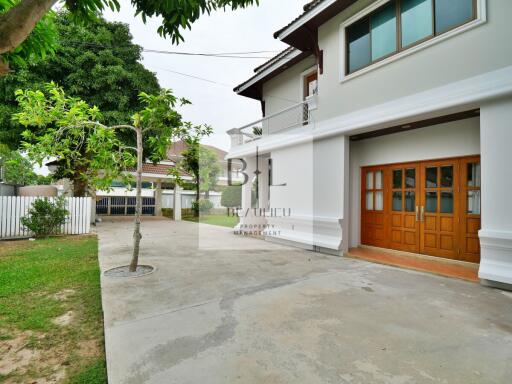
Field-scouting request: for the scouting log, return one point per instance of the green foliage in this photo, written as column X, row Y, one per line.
column 175, row 15
column 179, row 15
column 209, row 169
column 90, row 151
column 46, row 217
column 41, row 42
column 232, row 197
column 203, row 205
column 96, row 62
column 16, row 168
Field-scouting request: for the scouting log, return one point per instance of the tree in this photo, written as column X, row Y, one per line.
column 16, row 168
column 209, row 170
column 195, row 164
column 19, row 18
column 72, row 128
column 41, row 41
column 108, row 75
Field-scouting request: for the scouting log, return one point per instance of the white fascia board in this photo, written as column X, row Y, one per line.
column 292, row 55
column 464, row 94
column 300, row 22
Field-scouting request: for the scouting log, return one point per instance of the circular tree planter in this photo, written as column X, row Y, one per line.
column 124, row 271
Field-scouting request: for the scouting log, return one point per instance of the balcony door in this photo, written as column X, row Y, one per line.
column 428, row 207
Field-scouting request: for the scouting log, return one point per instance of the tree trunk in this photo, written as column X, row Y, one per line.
column 4, row 67
column 79, row 187
column 138, row 204
column 17, row 23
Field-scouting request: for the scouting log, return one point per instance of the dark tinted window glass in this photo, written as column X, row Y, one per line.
column 358, row 36
column 397, row 178
column 383, row 26
column 431, row 177
column 397, row 201
column 410, row 201
column 447, row 176
column 410, row 178
column 474, row 175
column 431, row 202
column 446, row 202
column 416, row 16
column 451, row 13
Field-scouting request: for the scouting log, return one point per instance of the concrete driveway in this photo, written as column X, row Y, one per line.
column 225, row 309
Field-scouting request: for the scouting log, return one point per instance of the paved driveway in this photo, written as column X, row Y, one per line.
column 225, row 309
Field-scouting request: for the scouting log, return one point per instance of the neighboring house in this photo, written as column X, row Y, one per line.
column 389, row 124
column 175, row 153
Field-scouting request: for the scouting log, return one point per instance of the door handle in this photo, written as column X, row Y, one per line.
column 422, row 214
column 417, row 213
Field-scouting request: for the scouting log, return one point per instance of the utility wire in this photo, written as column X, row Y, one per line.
column 195, row 77
column 231, row 55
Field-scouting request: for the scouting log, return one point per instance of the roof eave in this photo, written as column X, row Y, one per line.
column 298, row 32
column 252, row 87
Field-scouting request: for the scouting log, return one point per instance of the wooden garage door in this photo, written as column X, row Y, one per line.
column 429, row 207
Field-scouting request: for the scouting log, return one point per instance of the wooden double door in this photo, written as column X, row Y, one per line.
column 428, row 207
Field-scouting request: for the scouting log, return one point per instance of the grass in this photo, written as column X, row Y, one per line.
column 220, row 220
column 40, row 281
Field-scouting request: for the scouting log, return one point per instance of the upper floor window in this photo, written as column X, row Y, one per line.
column 402, row 24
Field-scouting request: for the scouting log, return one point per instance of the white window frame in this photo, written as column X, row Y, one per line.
column 481, row 18
column 303, row 76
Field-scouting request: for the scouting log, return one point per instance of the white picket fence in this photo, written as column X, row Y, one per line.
column 13, row 208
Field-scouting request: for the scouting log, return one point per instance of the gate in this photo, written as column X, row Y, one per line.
column 123, row 206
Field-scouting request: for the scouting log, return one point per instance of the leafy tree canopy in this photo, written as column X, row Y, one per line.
column 96, row 62
column 17, row 169
column 18, row 18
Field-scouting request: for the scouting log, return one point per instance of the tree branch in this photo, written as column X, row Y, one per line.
column 17, row 23
column 4, row 67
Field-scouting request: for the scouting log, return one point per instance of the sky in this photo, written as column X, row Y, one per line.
column 244, row 30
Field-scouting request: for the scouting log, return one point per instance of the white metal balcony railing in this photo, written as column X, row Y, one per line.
column 292, row 117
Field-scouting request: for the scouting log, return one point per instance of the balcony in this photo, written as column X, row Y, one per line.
column 292, row 117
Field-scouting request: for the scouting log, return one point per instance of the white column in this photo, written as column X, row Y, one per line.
column 263, row 183
column 247, row 187
column 496, row 152
column 177, row 203
column 158, row 198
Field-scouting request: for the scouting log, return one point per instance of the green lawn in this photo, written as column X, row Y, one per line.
column 221, row 220
column 41, row 281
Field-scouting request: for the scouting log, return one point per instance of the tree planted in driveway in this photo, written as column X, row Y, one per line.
column 70, row 128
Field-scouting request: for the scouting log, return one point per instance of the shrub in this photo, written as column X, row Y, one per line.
column 232, row 197
column 204, row 205
column 45, row 217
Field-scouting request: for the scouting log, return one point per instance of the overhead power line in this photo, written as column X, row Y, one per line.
column 230, row 55
column 195, row 77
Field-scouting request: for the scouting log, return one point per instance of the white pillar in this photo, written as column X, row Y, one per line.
column 496, row 152
column 247, row 187
column 177, row 203
column 263, row 183
column 158, row 198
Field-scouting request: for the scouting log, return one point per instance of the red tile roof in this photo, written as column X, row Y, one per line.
column 177, row 148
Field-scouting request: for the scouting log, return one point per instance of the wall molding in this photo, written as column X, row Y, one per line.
column 496, row 256
column 454, row 97
column 308, row 230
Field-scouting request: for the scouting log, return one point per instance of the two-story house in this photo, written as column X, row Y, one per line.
column 387, row 123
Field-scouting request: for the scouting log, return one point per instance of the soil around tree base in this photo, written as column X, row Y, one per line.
column 124, row 271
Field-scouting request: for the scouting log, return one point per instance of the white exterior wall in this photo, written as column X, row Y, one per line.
column 496, row 233
column 286, row 89
column 479, row 50
column 459, row 138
